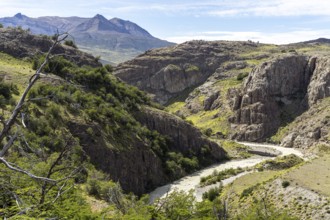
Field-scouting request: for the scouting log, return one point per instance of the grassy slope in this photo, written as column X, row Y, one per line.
column 317, row 178
column 16, row 71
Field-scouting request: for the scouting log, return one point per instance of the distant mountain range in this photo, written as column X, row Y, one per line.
column 115, row 40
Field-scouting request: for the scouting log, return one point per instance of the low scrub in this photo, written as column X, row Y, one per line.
column 218, row 176
column 280, row 163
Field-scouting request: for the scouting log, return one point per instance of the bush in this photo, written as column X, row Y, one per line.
column 285, row 183
column 70, row 43
column 213, row 193
column 1, row 26
column 241, row 76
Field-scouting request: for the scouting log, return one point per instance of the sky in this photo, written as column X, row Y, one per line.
column 266, row 21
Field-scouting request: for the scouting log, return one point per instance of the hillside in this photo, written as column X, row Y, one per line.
column 102, row 144
column 115, row 40
column 242, row 90
column 83, row 123
column 247, row 91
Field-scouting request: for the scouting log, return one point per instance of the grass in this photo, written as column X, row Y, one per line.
column 250, row 180
column 16, row 71
column 210, row 119
column 314, row 175
column 233, row 149
column 175, row 107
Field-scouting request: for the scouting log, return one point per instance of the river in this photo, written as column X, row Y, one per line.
column 191, row 181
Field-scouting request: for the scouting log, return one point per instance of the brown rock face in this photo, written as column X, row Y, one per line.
column 183, row 136
column 271, row 92
column 319, row 86
column 167, row 72
column 275, row 93
column 137, row 167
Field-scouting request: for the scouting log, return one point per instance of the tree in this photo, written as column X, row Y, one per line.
column 55, row 174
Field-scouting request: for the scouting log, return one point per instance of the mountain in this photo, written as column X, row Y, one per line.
column 115, row 40
column 95, row 144
column 203, row 82
column 103, row 126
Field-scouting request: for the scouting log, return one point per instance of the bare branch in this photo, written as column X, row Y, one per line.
column 9, row 166
column 61, row 191
column 8, row 145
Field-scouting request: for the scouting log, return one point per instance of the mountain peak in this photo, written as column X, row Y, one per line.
column 99, row 17
column 19, row 16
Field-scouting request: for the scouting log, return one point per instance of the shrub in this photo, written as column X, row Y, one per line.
column 241, row 76
column 70, row 43
column 213, row 193
column 1, row 26
column 285, row 183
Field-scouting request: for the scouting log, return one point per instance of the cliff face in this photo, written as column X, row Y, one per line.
column 168, row 72
column 137, row 167
column 276, row 92
column 183, row 136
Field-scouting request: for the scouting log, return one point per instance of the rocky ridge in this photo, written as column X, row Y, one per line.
column 281, row 83
column 277, row 92
column 169, row 72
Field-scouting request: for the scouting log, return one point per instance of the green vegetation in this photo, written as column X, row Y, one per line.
column 177, row 164
column 218, row 176
column 249, row 180
column 318, row 175
column 280, row 163
column 1, row 25
column 285, row 183
column 48, row 146
column 241, row 76
column 234, row 150
column 213, row 193
column 70, row 43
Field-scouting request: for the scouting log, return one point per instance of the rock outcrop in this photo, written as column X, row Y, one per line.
column 168, row 72
column 137, row 167
column 276, row 93
column 183, row 136
column 319, row 86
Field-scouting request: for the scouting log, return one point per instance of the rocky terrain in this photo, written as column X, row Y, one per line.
column 277, row 92
column 115, row 40
column 169, row 72
column 129, row 158
column 203, row 82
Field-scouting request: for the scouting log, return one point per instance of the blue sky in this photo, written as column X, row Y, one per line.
column 268, row 21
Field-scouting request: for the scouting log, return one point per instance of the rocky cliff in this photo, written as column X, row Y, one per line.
column 168, row 72
column 276, row 92
column 183, row 136
column 137, row 167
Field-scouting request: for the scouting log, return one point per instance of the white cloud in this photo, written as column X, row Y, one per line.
column 275, row 38
column 275, row 8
